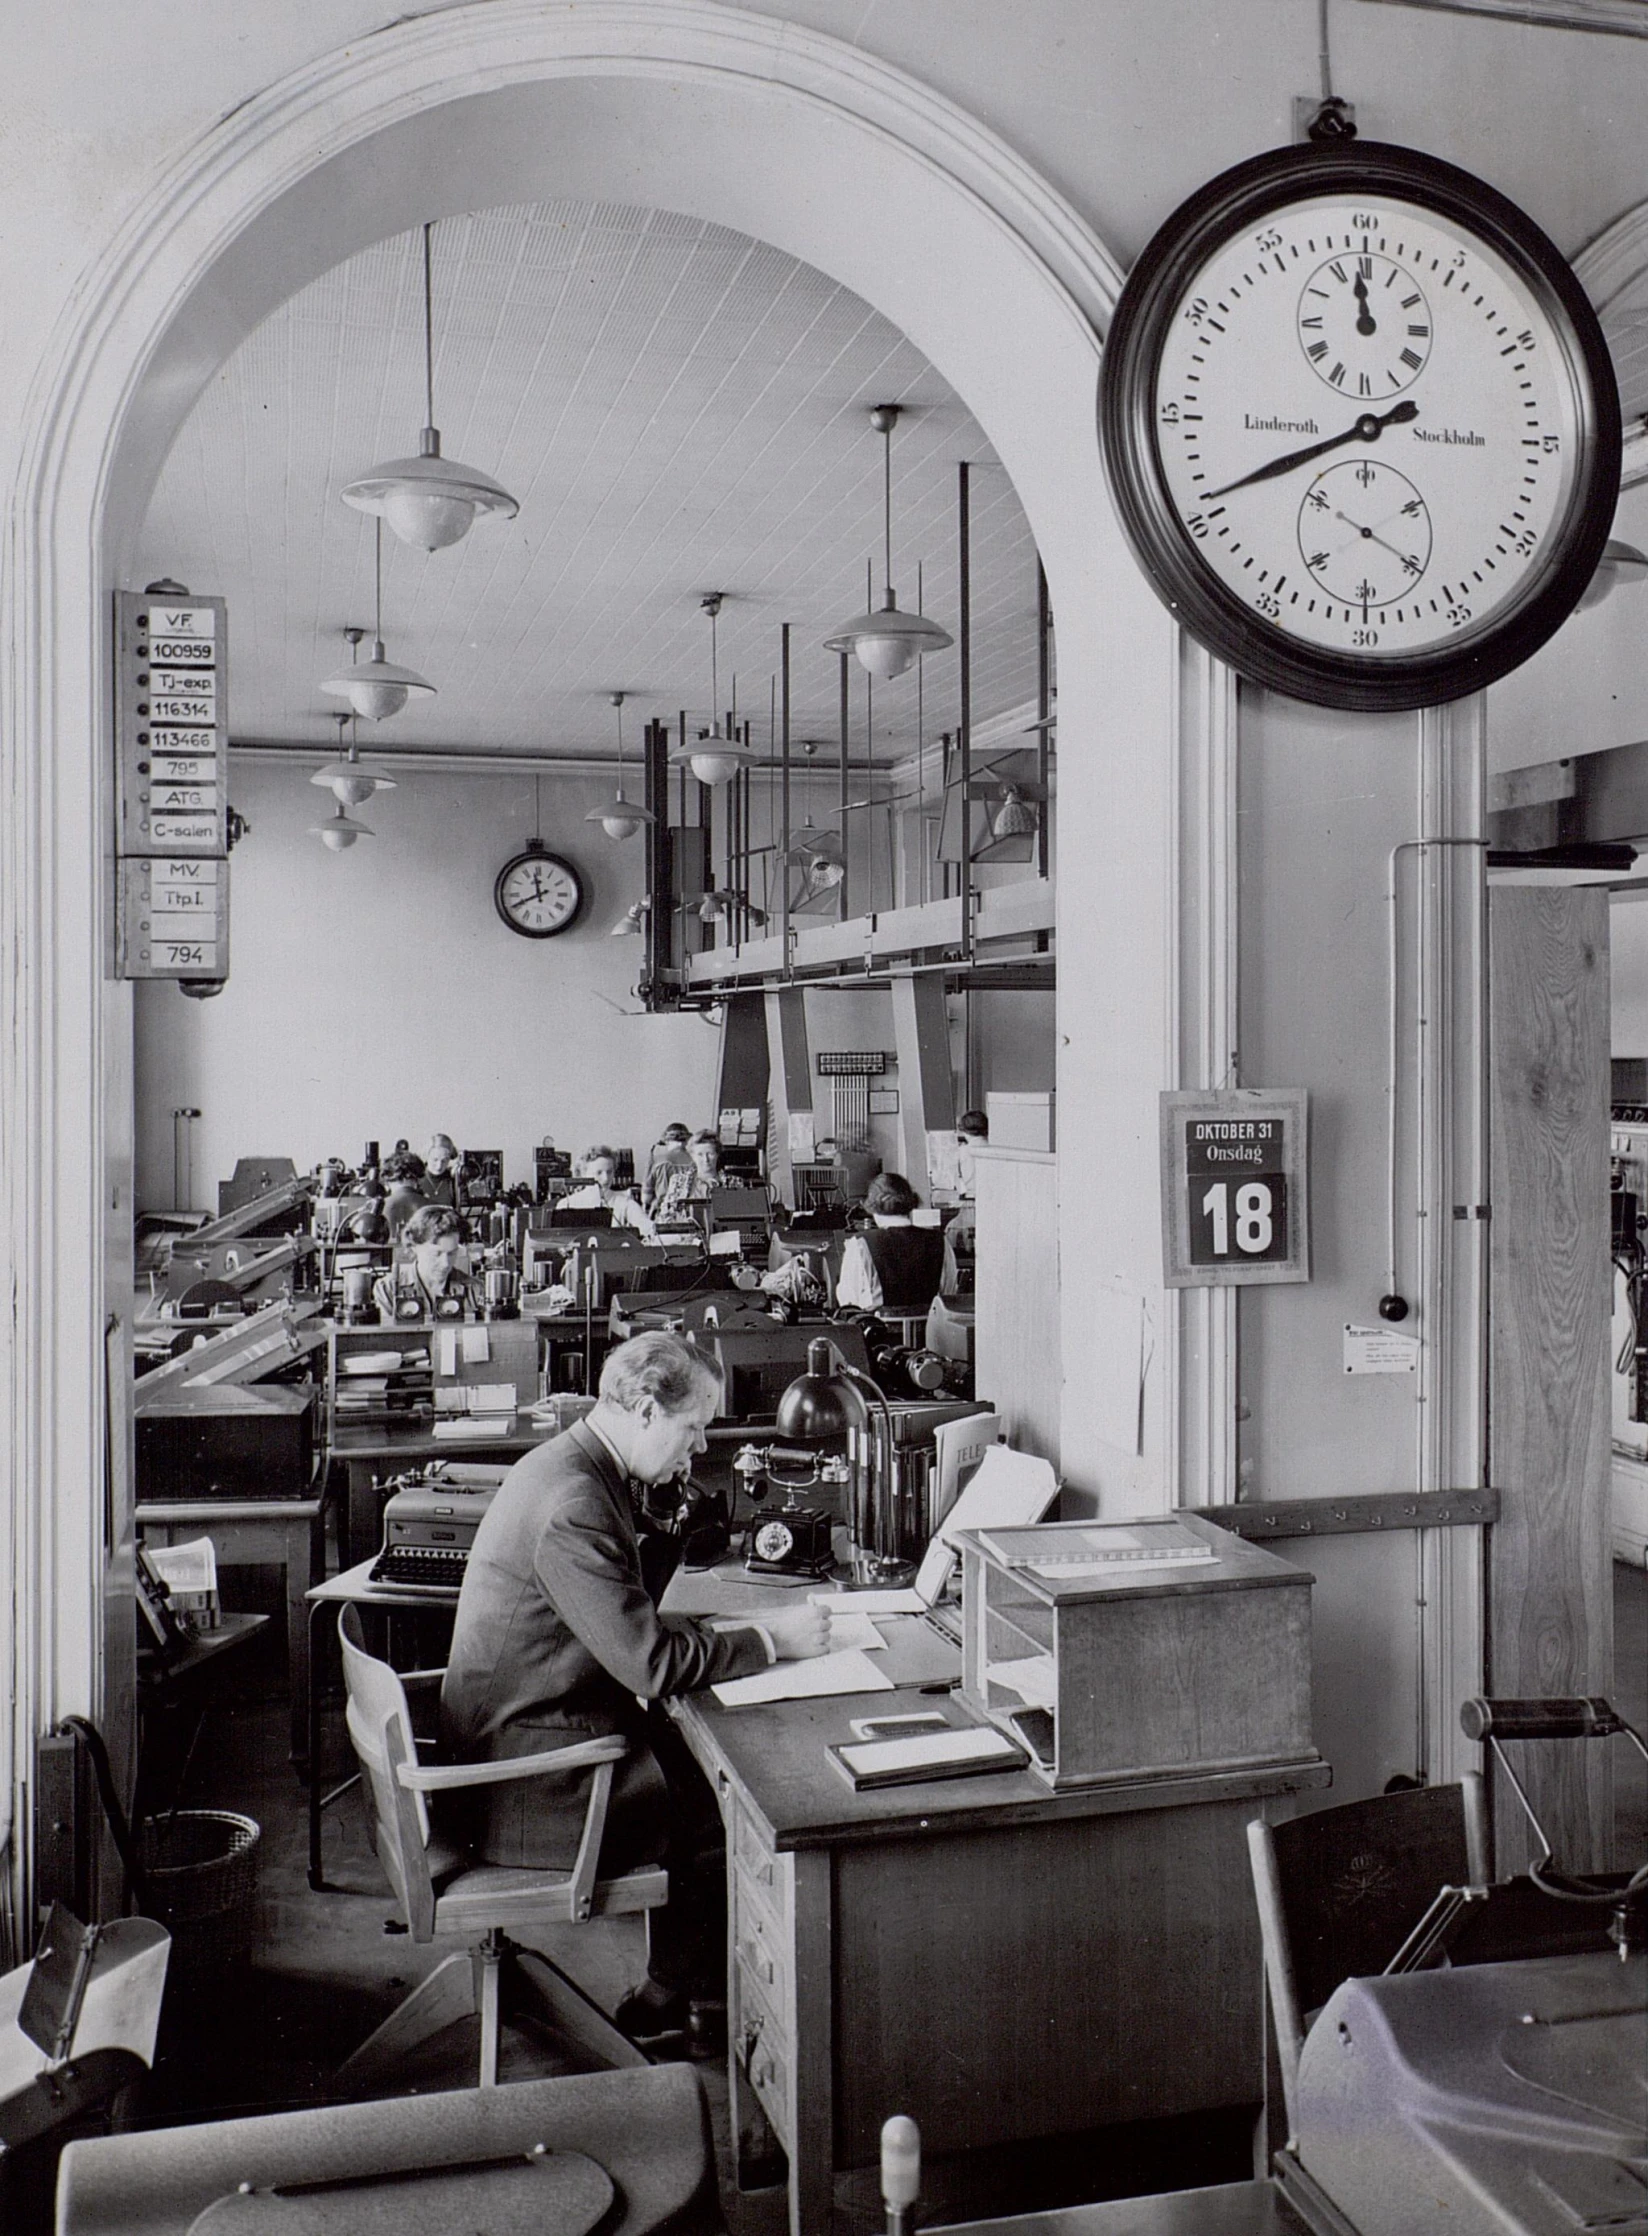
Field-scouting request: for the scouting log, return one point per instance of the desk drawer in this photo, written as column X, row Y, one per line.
column 764, row 2055
column 763, row 1955
column 762, row 1883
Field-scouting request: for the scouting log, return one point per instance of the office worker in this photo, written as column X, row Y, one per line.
column 434, row 1236
column 600, row 1192
column 669, row 1167
column 556, row 1639
column 440, row 1176
column 895, row 1266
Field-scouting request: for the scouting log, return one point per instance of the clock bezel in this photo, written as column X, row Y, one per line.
column 1322, row 675
column 534, row 852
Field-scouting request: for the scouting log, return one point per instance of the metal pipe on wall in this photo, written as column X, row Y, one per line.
column 964, row 643
column 784, row 748
column 841, row 892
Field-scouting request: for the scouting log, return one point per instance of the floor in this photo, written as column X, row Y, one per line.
column 327, row 1967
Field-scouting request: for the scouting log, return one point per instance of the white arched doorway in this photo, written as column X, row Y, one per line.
column 837, row 159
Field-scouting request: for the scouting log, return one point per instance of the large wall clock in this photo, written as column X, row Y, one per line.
column 538, row 893
column 1361, row 426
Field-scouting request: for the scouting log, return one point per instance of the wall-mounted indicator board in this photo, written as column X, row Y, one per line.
column 174, row 917
column 172, row 743
column 172, row 716
column 1235, row 1196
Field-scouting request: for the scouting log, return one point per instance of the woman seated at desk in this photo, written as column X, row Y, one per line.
column 682, row 1187
column 556, row 1639
column 669, row 1167
column 434, row 1236
column 897, row 1266
column 440, row 1173
column 600, row 1193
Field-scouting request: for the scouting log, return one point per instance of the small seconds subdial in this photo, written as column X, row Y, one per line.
column 1364, row 533
column 1364, row 324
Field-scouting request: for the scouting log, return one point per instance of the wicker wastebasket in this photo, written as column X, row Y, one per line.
column 200, row 1867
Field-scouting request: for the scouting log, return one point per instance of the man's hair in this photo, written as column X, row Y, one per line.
column 975, row 1123
column 666, row 1368
column 430, row 1223
column 891, row 1195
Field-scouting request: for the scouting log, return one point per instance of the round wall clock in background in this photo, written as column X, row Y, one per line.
column 1360, row 425
column 538, row 893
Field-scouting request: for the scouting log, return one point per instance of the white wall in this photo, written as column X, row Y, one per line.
column 376, row 993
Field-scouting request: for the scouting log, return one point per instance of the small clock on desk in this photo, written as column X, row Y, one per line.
column 1360, row 425
column 537, row 893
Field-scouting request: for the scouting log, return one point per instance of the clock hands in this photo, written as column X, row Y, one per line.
column 1372, row 535
column 1366, row 323
column 1367, row 429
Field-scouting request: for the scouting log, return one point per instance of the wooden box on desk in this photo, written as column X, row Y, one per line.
column 1128, row 1669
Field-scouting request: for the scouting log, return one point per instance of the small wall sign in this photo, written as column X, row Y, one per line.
column 1234, row 1187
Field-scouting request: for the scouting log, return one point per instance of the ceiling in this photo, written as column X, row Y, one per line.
column 678, row 408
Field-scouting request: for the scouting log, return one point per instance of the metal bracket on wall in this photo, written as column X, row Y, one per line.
column 1345, row 1517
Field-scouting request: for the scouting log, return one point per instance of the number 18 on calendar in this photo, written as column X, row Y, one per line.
column 1233, row 1172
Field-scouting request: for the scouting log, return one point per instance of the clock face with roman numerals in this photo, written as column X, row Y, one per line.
column 538, row 894
column 1361, row 426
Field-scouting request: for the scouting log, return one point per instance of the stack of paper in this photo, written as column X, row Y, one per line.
column 847, row 1672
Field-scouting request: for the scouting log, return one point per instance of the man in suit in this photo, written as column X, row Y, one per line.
column 556, row 1640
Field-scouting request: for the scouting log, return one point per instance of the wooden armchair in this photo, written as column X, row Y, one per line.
column 1340, row 1891
column 439, row 1892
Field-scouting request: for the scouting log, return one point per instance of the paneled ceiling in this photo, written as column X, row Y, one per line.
column 679, row 409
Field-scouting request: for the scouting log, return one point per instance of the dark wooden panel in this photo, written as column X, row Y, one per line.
column 1550, row 1618
column 1138, row 1932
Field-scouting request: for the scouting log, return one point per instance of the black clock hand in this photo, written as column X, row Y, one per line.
column 1372, row 535
column 1367, row 429
column 1366, row 323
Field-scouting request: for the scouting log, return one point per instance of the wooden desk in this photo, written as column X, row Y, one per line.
column 369, row 1456
column 286, row 1532
column 1000, row 1962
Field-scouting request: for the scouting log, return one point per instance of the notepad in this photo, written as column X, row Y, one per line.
column 867, row 1763
column 847, row 1672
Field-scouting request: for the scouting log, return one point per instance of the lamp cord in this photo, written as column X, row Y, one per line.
column 429, row 328
column 887, row 499
column 377, row 562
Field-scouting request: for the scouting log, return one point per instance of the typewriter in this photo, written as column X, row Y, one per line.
column 429, row 1525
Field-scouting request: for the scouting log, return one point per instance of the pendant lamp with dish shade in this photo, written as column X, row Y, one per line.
column 887, row 641
column 350, row 779
column 340, row 830
column 377, row 688
column 621, row 818
column 713, row 756
column 429, row 501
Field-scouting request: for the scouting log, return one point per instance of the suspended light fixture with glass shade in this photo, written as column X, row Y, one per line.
column 888, row 642
column 633, row 922
column 1620, row 563
column 622, row 818
column 713, row 756
column 340, row 830
column 429, row 501
column 377, row 688
column 351, row 780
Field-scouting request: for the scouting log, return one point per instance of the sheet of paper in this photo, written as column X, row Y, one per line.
column 847, row 1628
column 904, row 1602
column 1115, row 1356
column 191, row 1567
column 1008, row 1487
column 1380, row 1351
column 477, row 1348
column 958, row 1448
column 1031, row 1678
column 848, row 1672
column 446, row 1350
